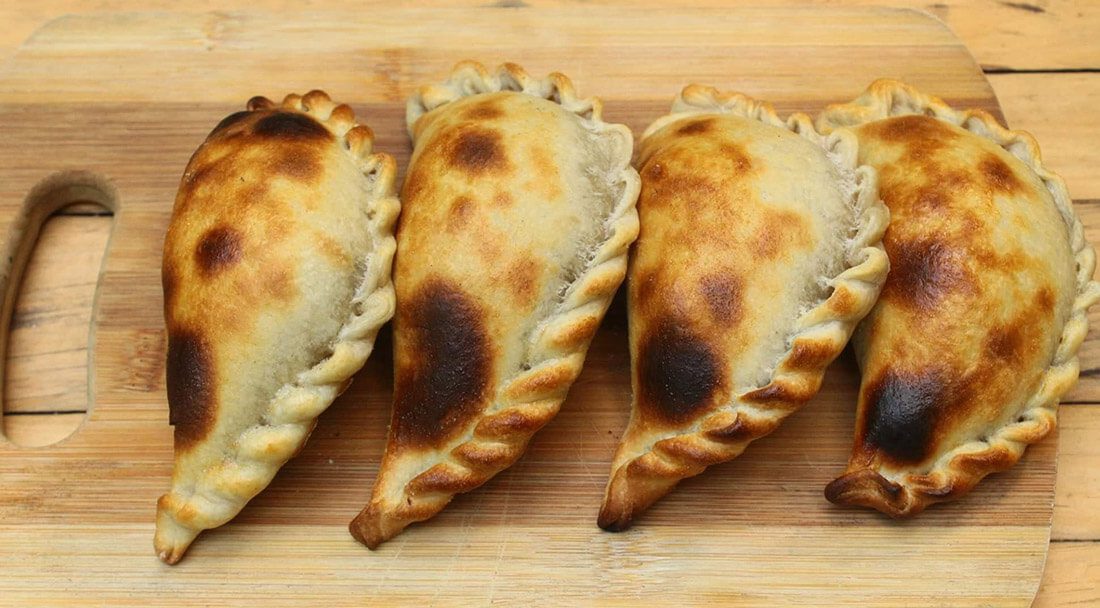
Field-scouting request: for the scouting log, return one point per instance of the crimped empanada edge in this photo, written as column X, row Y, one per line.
column 470, row 78
column 529, row 399
column 291, row 413
column 820, row 336
column 960, row 469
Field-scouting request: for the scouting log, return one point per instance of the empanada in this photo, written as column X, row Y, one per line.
column 975, row 337
column 276, row 279
column 758, row 254
column 518, row 214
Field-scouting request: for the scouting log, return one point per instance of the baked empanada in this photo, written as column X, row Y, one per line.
column 975, row 337
column 276, row 279
column 518, row 214
column 758, row 254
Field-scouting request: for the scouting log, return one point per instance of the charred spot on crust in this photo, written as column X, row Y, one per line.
column 778, row 231
column 700, row 190
column 1044, row 300
column 478, row 151
column 461, row 209
column 447, row 377
column 521, row 279
column 923, row 272
column 485, row 110
column 291, row 125
column 902, row 411
column 653, row 171
column 229, row 121
column 300, row 163
column 998, row 175
column 940, row 191
column 807, row 354
column 1004, row 341
column 722, row 293
column 190, row 381
column 1016, row 340
column 678, row 371
column 923, row 136
column 276, row 282
column 738, row 159
column 169, row 283
column 219, row 248
column 694, row 127
column 778, row 392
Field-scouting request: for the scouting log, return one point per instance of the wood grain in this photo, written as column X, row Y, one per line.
column 1076, row 517
column 40, row 429
column 49, row 328
column 1002, row 35
column 1074, row 569
column 139, row 132
column 1059, row 110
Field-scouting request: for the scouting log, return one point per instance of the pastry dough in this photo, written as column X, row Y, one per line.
column 276, row 280
column 975, row 337
column 519, row 210
column 759, row 252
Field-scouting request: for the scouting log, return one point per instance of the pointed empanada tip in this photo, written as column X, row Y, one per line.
column 867, row 488
column 171, row 552
column 367, row 528
column 171, row 540
column 614, row 519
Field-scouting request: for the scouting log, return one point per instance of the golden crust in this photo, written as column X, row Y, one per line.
column 694, row 319
column 284, row 219
column 902, row 473
column 519, row 211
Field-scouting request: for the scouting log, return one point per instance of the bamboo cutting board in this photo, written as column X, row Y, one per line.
column 109, row 108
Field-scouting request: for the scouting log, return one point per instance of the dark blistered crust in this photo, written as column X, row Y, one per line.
column 476, row 151
column 219, row 248
column 679, row 372
column 445, row 375
column 291, row 126
column 902, row 409
column 190, row 379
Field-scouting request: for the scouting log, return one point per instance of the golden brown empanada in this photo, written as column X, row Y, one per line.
column 519, row 210
column 975, row 336
column 276, row 280
column 759, row 252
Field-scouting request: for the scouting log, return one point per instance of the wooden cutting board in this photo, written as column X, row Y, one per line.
column 120, row 101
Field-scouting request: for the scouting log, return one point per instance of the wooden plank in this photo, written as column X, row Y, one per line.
column 1077, row 492
column 1058, row 109
column 1088, row 386
column 626, row 574
column 413, row 52
column 1072, row 576
column 1001, row 35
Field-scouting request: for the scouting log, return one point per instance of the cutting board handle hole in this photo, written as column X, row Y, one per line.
column 54, row 255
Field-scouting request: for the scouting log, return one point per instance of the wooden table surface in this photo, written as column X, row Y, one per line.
column 1041, row 56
